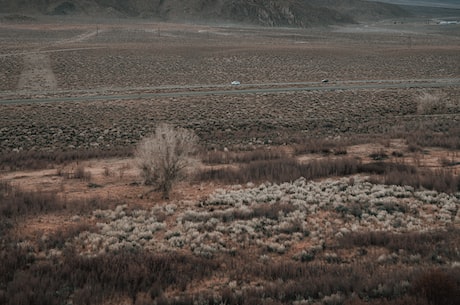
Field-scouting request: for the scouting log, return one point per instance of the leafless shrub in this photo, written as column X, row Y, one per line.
column 381, row 168
column 164, row 156
column 228, row 157
column 92, row 279
column 426, row 244
column 313, row 146
column 422, row 138
column 17, row 203
column 58, row 239
column 439, row 180
column 438, row 287
column 81, row 173
column 5, row 188
column 43, row 159
column 75, row 173
column 446, row 162
column 428, row 103
column 281, row 170
column 272, row 211
column 412, row 147
column 404, row 300
column 107, row 172
column 379, row 155
column 275, row 171
column 340, row 150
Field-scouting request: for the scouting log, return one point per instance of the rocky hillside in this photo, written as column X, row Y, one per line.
column 297, row 13
column 363, row 10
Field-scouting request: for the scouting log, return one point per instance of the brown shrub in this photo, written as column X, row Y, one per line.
column 404, row 300
column 378, row 155
column 402, row 174
column 81, row 174
column 272, row 211
column 16, row 203
column 93, row 279
column 438, row 180
column 281, row 170
column 19, row 203
column 438, row 287
column 428, row 103
column 314, row 146
column 41, row 159
column 427, row 244
column 446, row 139
column 228, row 157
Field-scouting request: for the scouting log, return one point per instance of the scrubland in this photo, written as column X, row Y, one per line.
column 316, row 197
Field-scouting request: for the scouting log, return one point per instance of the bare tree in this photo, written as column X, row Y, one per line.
column 164, row 156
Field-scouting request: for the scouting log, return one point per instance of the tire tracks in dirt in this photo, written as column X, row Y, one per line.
column 37, row 73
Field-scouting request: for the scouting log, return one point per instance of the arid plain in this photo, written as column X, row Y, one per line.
column 367, row 114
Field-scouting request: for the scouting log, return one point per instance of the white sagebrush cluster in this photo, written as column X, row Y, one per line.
column 273, row 217
column 121, row 229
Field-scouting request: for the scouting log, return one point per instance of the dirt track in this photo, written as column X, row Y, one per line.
column 37, row 73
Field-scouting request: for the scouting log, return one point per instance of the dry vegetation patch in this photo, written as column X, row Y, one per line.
column 222, row 120
column 374, row 220
column 282, row 233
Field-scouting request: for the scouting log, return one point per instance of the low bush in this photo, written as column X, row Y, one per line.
column 18, row 203
column 427, row 244
column 430, row 104
column 438, row 287
column 281, row 170
column 422, row 138
column 5, row 188
column 79, row 173
column 438, row 180
column 95, row 279
column 43, row 159
column 404, row 300
column 228, row 157
column 378, row 155
column 15, row 202
column 318, row 146
column 58, row 239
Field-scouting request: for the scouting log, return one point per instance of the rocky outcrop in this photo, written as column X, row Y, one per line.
column 281, row 13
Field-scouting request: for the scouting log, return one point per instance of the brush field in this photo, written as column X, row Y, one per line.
column 328, row 196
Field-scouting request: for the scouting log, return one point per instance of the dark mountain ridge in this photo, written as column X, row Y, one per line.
column 294, row 13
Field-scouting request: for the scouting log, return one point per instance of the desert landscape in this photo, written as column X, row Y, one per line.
column 327, row 173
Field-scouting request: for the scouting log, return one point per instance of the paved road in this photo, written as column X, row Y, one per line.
column 203, row 90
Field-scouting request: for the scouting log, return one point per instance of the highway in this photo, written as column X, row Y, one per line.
column 136, row 93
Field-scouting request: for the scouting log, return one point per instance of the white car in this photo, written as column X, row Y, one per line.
column 235, row 83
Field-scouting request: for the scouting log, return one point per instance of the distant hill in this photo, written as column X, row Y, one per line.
column 363, row 10
column 429, row 8
column 295, row 13
column 452, row 4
